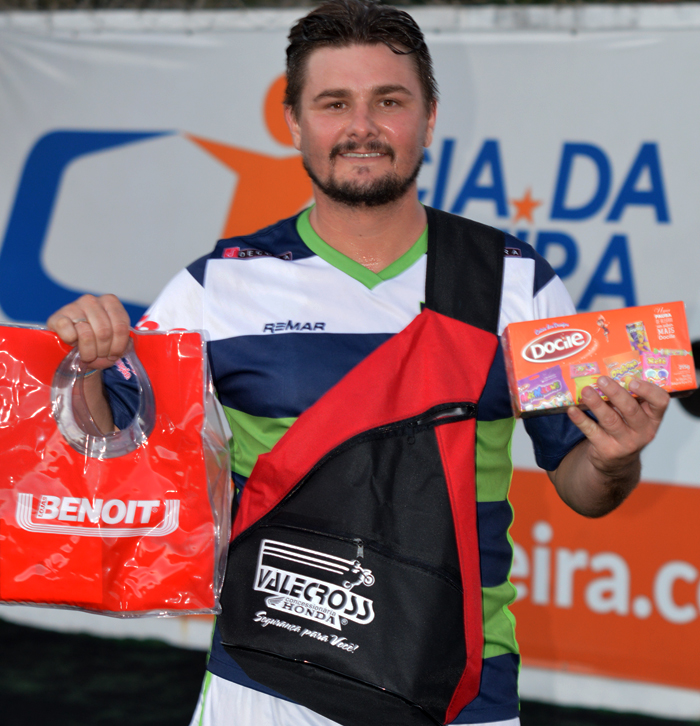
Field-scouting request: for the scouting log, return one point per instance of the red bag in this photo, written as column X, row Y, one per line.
column 130, row 523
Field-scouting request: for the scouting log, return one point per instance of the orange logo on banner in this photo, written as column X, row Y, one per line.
column 617, row 596
column 269, row 188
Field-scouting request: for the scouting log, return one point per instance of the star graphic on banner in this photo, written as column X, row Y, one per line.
column 525, row 206
column 268, row 187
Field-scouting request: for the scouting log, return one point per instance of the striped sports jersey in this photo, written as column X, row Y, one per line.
column 287, row 316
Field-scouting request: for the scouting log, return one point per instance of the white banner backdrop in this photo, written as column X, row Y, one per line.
column 131, row 141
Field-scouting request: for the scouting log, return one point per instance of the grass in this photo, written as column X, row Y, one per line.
column 59, row 679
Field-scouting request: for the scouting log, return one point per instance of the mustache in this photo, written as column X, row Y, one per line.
column 371, row 146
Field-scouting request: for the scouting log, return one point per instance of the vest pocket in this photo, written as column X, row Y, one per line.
column 355, row 577
column 366, row 619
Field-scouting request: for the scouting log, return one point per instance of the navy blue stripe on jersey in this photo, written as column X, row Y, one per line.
column 197, row 268
column 543, row 273
column 221, row 664
column 498, row 695
column 276, row 240
column 252, row 372
column 122, row 394
column 526, row 251
column 495, row 552
column 495, row 403
column 239, row 482
column 554, row 434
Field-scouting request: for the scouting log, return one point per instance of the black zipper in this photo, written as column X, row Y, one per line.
column 435, row 416
column 442, row 413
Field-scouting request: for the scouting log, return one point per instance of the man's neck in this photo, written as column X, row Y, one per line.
column 373, row 236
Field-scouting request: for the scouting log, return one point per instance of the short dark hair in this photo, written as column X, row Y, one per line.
column 339, row 23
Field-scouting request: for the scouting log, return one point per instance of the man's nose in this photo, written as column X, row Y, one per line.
column 362, row 123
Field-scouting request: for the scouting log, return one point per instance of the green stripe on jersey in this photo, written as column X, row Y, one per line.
column 493, row 477
column 355, row 269
column 205, row 693
column 255, row 435
column 252, row 436
column 499, row 622
column 493, row 470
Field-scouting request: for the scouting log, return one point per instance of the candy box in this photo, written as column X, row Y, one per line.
column 549, row 362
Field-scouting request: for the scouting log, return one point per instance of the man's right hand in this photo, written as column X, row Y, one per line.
column 99, row 326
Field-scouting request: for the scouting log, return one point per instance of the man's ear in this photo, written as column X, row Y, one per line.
column 432, row 118
column 293, row 124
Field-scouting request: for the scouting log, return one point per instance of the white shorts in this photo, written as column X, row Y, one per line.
column 223, row 703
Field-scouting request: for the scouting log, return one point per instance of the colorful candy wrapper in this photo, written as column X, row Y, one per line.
column 583, row 381
column 624, row 367
column 656, row 368
column 637, row 334
column 545, row 389
column 577, row 370
column 671, row 351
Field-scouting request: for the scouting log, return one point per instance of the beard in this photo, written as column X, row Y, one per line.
column 387, row 189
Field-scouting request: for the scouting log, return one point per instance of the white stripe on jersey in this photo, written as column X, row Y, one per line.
column 517, row 303
column 245, row 296
column 241, row 297
column 179, row 305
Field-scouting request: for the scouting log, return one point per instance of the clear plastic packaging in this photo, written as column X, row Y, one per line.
column 76, row 423
column 129, row 523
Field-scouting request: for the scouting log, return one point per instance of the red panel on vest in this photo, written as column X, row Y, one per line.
column 420, row 367
column 457, row 446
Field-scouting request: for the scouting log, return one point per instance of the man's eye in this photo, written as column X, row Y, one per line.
column 389, row 103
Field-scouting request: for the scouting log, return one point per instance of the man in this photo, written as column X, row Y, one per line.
column 322, row 291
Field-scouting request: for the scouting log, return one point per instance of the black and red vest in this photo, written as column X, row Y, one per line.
column 353, row 583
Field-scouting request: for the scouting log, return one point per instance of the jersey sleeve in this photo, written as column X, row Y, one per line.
column 531, row 291
column 122, row 390
column 178, row 307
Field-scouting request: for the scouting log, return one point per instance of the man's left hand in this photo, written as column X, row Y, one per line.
column 600, row 472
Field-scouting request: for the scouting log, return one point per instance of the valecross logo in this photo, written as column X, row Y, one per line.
column 309, row 597
column 556, row 345
column 73, row 515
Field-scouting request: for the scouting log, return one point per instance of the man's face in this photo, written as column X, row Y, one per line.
column 362, row 124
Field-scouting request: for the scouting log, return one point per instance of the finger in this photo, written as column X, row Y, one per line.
column 63, row 327
column 585, row 423
column 608, row 419
column 590, row 428
column 655, row 399
column 93, row 328
column 608, row 451
column 63, row 322
column 120, row 324
column 624, row 402
column 99, row 327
